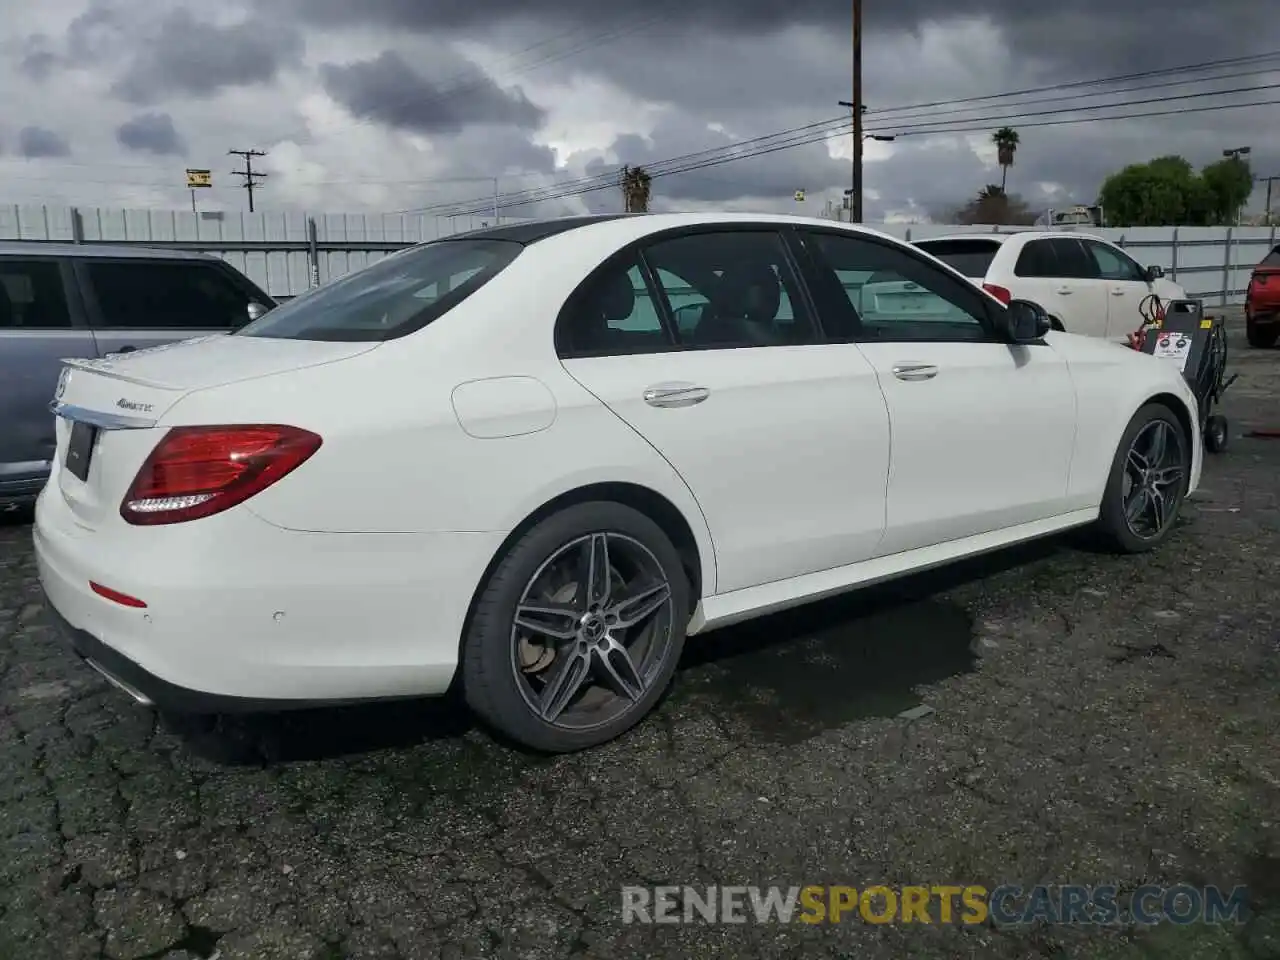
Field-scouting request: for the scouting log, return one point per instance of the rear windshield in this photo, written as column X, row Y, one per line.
column 972, row 258
column 1272, row 259
column 390, row 298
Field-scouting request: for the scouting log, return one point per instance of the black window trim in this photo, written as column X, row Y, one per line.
column 987, row 305
column 76, row 311
column 93, row 309
column 635, row 251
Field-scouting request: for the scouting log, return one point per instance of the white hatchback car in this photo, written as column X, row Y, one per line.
column 535, row 457
column 1088, row 285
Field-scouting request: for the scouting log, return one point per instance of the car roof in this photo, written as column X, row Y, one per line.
column 119, row 251
column 996, row 238
column 531, row 231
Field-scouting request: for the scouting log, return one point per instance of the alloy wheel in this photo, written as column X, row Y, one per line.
column 1155, row 469
column 592, row 631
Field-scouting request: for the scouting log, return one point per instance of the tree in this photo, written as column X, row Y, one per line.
column 992, row 205
column 1229, row 182
column 1167, row 192
column 635, row 189
column 1006, row 140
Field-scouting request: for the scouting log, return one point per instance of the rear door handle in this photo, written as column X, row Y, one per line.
column 127, row 348
column 1064, row 291
column 669, row 395
column 915, row 371
column 1117, row 292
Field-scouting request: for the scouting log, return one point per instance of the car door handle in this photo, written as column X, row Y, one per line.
column 1117, row 292
column 915, row 371
column 127, row 348
column 1064, row 291
column 675, row 394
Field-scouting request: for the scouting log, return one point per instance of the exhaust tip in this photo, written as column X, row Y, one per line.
column 138, row 696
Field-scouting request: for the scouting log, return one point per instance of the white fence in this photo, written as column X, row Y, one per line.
column 286, row 252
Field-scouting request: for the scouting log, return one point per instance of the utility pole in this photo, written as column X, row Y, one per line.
column 251, row 176
column 855, row 198
column 1269, row 181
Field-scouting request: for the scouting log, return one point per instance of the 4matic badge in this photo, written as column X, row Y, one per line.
column 124, row 404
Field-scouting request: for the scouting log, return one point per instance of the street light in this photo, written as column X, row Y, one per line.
column 1237, row 152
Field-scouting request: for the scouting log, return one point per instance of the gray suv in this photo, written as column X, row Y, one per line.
column 84, row 301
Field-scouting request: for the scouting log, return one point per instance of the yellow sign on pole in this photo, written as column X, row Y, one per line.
column 199, row 178
column 799, row 196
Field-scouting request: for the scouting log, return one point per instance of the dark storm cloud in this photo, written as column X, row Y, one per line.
column 150, row 133
column 38, row 58
column 191, row 57
column 36, row 142
column 1135, row 33
column 388, row 90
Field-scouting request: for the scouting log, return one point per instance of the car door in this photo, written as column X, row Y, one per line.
column 1056, row 273
column 40, row 323
column 136, row 303
column 1126, row 285
column 783, row 440
column 982, row 431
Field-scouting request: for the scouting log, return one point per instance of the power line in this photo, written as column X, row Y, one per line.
column 842, row 124
column 251, row 176
column 933, row 129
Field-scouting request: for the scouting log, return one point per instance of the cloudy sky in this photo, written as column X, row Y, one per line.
column 420, row 104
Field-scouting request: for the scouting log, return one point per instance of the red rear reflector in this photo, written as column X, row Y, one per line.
column 199, row 471
column 116, row 596
column 1000, row 293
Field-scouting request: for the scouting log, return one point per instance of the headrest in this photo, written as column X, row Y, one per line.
column 615, row 296
column 750, row 290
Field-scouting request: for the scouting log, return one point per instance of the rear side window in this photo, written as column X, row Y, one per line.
column 164, row 295
column 1037, row 259
column 32, row 296
column 392, row 297
column 970, row 257
column 1074, row 260
column 1272, row 259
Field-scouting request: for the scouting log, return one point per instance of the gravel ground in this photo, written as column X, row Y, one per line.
column 1096, row 720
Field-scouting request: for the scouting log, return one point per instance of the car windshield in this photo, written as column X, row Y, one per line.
column 395, row 296
column 972, row 258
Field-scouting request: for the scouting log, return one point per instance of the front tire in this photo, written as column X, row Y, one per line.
column 1258, row 337
column 1148, row 482
column 576, row 634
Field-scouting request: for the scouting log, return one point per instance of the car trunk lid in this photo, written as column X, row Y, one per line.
column 110, row 411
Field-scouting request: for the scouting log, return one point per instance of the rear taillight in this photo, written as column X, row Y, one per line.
column 199, row 471
column 1000, row 293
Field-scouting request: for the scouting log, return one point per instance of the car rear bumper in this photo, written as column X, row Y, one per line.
column 244, row 616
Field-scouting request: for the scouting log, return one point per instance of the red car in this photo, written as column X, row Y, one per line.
column 1262, row 302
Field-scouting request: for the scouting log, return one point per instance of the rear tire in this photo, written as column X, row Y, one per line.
column 617, row 661
column 1258, row 337
column 1148, row 482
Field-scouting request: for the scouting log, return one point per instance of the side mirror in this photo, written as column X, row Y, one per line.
column 1154, row 272
column 1023, row 322
column 255, row 310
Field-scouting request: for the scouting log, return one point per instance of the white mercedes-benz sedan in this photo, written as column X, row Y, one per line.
column 529, row 461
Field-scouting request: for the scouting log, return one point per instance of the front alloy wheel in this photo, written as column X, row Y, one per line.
column 1154, row 475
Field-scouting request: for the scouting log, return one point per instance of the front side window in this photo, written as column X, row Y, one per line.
column 32, row 296
column 1112, row 264
column 897, row 296
column 731, row 290
column 389, row 298
column 165, row 295
column 1272, row 259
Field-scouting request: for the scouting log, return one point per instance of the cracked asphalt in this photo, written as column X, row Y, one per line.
column 1096, row 719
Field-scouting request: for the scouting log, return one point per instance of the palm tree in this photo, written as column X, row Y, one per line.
column 635, row 189
column 1006, row 140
